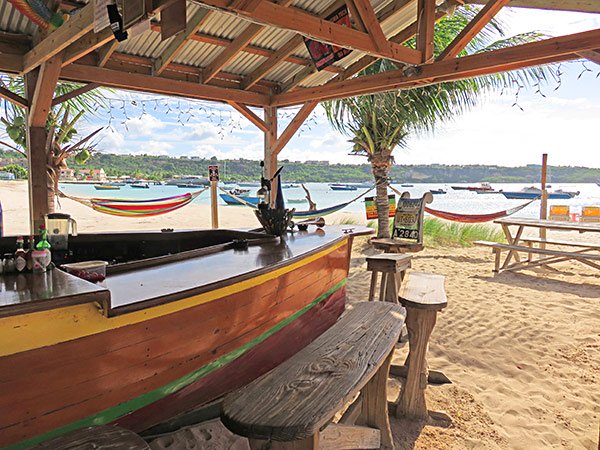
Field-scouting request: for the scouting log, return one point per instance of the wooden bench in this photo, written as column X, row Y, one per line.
column 553, row 256
column 292, row 406
column 423, row 295
column 104, row 437
column 392, row 267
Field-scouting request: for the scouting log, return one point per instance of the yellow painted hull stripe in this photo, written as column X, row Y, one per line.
column 40, row 329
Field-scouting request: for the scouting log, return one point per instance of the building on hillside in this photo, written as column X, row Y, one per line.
column 92, row 174
column 67, row 174
column 318, row 163
column 7, row 175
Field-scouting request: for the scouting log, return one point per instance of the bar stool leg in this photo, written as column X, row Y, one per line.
column 412, row 403
column 383, row 286
column 373, row 285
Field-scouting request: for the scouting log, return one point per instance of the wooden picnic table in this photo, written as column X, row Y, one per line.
column 579, row 251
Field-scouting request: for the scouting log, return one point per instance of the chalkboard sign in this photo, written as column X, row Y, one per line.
column 408, row 221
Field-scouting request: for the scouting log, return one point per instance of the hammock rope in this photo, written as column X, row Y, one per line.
column 471, row 218
column 306, row 214
column 137, row 208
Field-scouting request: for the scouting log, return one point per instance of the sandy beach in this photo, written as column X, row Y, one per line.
column 522, row 349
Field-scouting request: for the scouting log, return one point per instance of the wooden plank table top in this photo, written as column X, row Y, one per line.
column 550, row 224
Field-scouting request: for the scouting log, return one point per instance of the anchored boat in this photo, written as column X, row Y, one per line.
column 533, row 192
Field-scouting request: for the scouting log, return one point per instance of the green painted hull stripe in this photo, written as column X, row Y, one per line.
column 113, row 413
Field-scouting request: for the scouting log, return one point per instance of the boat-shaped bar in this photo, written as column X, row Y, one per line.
column 181, row 319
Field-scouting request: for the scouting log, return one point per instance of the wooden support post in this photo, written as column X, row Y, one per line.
column 270, row 118
column 214, row 205
column 544, row 199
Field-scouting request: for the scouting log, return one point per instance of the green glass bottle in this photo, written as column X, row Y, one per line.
column 44, row 245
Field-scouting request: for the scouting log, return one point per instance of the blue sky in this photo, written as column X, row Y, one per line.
column 563, row 124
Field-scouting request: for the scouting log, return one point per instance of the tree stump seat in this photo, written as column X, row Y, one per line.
column 292, row 406
column 104, row 437
column 423, row 295
column 392, row 267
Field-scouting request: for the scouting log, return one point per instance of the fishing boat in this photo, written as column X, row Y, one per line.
column 231, row 200
column 140, row 185
column 407, row 185
column 437, row 191
column 106, row 187
column 483, row 187
column 290, row 186
column 162, row 335
column 193, row 181
column 342, row 187
column 533, row 192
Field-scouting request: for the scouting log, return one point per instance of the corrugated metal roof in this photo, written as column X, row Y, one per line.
column 218, row 24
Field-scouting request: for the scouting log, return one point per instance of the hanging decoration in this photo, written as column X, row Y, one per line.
column 324, row 55
column 40, row 14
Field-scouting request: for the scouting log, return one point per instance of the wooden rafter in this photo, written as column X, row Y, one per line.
column 13, row 98
column 591, row 55
column 249, row 114
column 74, row 93
column 426, row 22
column 58, row 40
column 589, row 6
column 293, row 126
column 542, row 52
column 238, row 44
column 159, row 85
column 299, row 21
column 252, row 49
column 87, row 44
column 41, row 101
column 283, row 53
column 105, row 52
column 355, row 16
column 178, row 41
column 231, row 51
column 385, row 15
column 371, row 24
column 473, row 28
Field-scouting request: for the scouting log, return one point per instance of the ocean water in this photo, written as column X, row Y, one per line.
column 465, row 202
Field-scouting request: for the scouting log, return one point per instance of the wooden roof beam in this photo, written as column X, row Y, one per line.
column 159, row 85
column 87, row 44
column 355, row 16
column 283, row 53
column 591, row 55
column 239, row 43
column 426, row 22
column 589, row 6
column 178, row 41
column 249, row 114
column 473, row 28
column 293, row 126
column 105, row 52
column 511, row 58
column 370, row 23
column 299, row 21
column 13, row 98
column 61, row 38
column 385, row 15
column 41, row 101
column 74, row 93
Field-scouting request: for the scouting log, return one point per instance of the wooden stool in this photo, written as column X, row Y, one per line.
column 392, row 267
column 422, row 295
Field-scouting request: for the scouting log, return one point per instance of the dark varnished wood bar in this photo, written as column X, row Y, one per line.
column 167, row 278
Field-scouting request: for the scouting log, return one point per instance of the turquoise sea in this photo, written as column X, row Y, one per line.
column 454, row 201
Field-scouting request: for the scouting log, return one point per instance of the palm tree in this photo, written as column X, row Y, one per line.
column 379, row 123
column 60, row 129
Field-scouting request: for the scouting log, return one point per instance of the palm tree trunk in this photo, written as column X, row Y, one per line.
column 380, row 166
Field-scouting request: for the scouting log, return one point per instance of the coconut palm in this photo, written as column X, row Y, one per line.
column 380, row 123
column 61, row 142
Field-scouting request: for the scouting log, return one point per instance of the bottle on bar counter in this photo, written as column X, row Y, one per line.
column 29, row 254
column 20, row 256
column 43, row 246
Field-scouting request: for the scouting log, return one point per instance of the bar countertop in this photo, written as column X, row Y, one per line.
column 144, row 287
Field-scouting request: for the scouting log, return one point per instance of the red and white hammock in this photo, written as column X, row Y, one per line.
column 475, row 218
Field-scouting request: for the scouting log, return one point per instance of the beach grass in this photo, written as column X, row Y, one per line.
column 442, row 233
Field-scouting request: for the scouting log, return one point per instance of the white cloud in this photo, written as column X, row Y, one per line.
column 154, row 148
column 145, row 125
column 203, row 151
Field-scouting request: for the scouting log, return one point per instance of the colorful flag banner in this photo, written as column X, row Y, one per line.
column 324, row 55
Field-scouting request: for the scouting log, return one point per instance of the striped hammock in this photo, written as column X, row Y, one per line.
column 137, row 208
